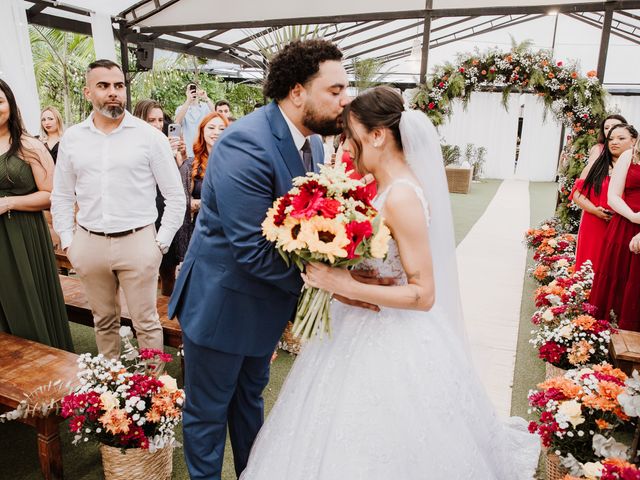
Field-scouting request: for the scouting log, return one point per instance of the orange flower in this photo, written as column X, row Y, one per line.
column 562, row 87
column 545, row 63
column 509, row 58
column 579, row 353
column 591, row 73
column 475, row 62
column 617, row 462
column 585, row 322
column 541, row 272
column 603, row 424
column 116, row 421
column 550, row 75
column 566, row 386
column 574, row 74
column 607, row 369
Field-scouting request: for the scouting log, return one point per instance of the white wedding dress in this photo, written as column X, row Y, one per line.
column 389, row 396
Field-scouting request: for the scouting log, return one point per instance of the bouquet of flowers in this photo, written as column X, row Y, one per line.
column 608, row 469
column 568, row 335
column 326, row 217
column 574, row 342
column 578, row 413
column 548, row 229
column 121, row 403
column 554, row 266
column 563, row 244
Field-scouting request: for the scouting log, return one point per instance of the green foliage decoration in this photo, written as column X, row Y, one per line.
column 576, row 101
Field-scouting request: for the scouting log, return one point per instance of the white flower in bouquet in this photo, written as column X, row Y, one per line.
column 630, row 400
column 169, row 382
column 609, row 448
column 571, row 410
column 109, row 401
column 592, row 470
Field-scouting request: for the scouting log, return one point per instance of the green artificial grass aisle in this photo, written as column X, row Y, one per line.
column 529, row 369
column 467, row 209
column 18, row 448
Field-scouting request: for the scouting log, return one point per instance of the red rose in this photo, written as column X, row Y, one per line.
column 461, row 70
column 431, row 106
column 356, row 232
column 329, row 208
column 551, row 352
column 492, row 70
column 441, row 84
column 559, row 64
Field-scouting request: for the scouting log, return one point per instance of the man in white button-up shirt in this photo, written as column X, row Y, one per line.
column 110, row 165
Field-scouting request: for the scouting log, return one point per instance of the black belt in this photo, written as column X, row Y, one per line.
column 114, row 234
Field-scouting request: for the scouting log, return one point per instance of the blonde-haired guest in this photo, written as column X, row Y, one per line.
column 51, row 130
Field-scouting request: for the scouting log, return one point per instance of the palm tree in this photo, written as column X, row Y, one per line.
column 60, row 59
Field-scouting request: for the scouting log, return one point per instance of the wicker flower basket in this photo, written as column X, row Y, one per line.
column 552, row 371
column 136, row 463
column 555, row 471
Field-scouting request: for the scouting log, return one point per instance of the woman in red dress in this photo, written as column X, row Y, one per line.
column 598, row 148
column 616, row 287
column 590, row 194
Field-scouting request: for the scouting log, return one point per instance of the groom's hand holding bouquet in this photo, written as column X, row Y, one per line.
column 326, row 217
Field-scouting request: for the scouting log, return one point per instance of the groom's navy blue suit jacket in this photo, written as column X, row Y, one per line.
column 234, row 293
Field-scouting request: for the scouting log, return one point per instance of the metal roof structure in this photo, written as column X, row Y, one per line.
column 391, row 32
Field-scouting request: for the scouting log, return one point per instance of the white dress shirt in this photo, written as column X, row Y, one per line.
column 113, row 179
column 298, row 137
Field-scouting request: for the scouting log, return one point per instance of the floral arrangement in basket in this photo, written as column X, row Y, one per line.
column 551, row 267
column 534, row 237
column 568, row 334
column 326, row 217
column 560, row 245
column 122, row 403
column 608, row 469
column 577, row 414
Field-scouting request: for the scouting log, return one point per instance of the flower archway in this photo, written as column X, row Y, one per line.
column 576, row 101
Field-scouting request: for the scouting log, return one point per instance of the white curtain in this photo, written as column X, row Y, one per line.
column 102, row 33
column 539, row 143
column 628, row 106
column 16, row 61
column 486, row 123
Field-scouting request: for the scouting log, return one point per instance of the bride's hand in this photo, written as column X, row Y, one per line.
column 333, row 280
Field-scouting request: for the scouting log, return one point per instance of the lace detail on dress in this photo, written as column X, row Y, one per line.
column 391, row 266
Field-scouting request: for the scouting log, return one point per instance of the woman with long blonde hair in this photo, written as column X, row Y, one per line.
column 51, row 130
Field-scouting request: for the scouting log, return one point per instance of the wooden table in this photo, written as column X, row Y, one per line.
column 25, row 366
column 78, row 310
column 625, row 350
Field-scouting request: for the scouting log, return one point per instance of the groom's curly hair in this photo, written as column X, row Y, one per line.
column 298, row 62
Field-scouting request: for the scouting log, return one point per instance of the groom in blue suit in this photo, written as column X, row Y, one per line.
column 234, row 294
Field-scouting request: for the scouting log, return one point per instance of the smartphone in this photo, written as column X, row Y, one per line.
column 192, row 88
column 174, row 130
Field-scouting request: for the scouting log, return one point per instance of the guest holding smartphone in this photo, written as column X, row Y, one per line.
column 590, row 194
column 191, row 112
column 151, row 112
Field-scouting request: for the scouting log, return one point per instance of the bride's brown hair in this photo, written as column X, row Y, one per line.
column 379, row 107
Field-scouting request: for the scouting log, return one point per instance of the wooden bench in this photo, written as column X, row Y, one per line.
column 625, row 350
column 78, row 310
column 25, row 366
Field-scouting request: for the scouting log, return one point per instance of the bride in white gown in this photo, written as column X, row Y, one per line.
column 393, row 394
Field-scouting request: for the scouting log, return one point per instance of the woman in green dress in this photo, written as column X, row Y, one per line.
column 31, row 301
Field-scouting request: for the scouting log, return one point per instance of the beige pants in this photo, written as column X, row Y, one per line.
column 131, row 262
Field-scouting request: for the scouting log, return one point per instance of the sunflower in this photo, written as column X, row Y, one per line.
column 380, row 242
column 269, row 228
column 290, row 237
column 326, row 236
